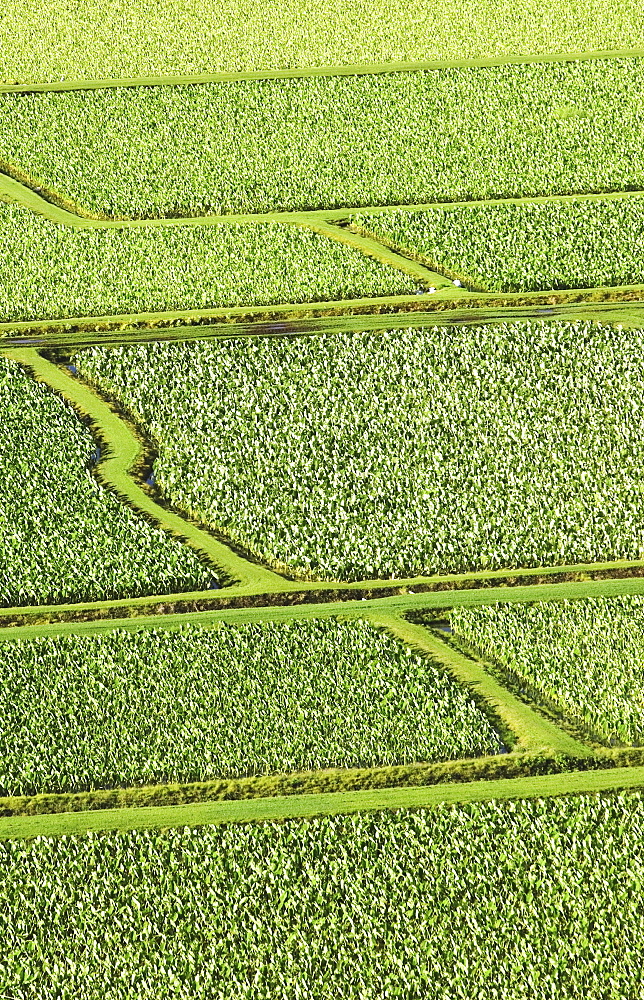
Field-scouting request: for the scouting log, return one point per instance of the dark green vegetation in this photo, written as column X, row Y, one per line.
column 584, row 656
column 63, row 536
column 194, row 705
column 327, row 142
column 523, row 247
column 400, row 453
column 509, row 900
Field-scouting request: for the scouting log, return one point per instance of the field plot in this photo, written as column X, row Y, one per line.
column 131, row 708
column 400, row 453
column 326, row 142
column 49, row 271
column 583, row 656
column 513, row 900
column 529, row 247
column 63, row 536
column 121, row 39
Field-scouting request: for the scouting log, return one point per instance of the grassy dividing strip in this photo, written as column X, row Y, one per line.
column 307, row 590
column 18, row 186
column 450, row 306
column 519, row 722
column 382, row 312
column 121, row 452
column 358, row 69
column 398, row 605
column 324, row 804
column 421, row 260
column 330, row 780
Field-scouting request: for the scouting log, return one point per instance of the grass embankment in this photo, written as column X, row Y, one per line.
column 398, row 604
column 149, row 40
column 322, row 804
column 522, row 246
column 584, row 657
column 521, row 726
column 64, row 537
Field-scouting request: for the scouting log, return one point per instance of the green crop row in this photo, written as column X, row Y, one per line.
column 49, row 271
column 583, row 656
column 324, row 142
column 538, row 898
column 135, row 708
column 64, row 537
column 400, row 453
column 122, row 39
column 518, row 248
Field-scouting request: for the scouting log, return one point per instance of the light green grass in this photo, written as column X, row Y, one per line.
column 583, row 656
column 64, row 537
column 121, row 39
column 49, row 270
column 328, row 142
column 399, row 604
column 559, row 244
column 276, row 808
column 399, row 453
column 509, row 899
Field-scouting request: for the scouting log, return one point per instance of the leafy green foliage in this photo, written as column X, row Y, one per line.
column 584, row 656
column 511, row 900
column 122, row 39
column 150, row 706
column 49, row 271
column 322, row 142
column 518, row 248
column 64, row 537
column 404, row 452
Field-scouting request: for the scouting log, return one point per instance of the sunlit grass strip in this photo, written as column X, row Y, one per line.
column 583, row 656
column 336, row 780
column 399, row 604
column 49, row 271
column 148, row 39
column 335, row 455
column 524, row 247
column 63, row 536
column 278, row 808
column 327, row 142
column 237, row 700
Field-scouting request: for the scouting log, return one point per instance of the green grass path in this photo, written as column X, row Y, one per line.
column 398, row 604
column 355, row 69
column 325, row 804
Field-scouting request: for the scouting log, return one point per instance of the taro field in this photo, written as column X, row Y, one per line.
column 321, row 482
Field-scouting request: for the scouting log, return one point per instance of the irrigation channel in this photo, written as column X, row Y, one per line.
column 549, row 754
